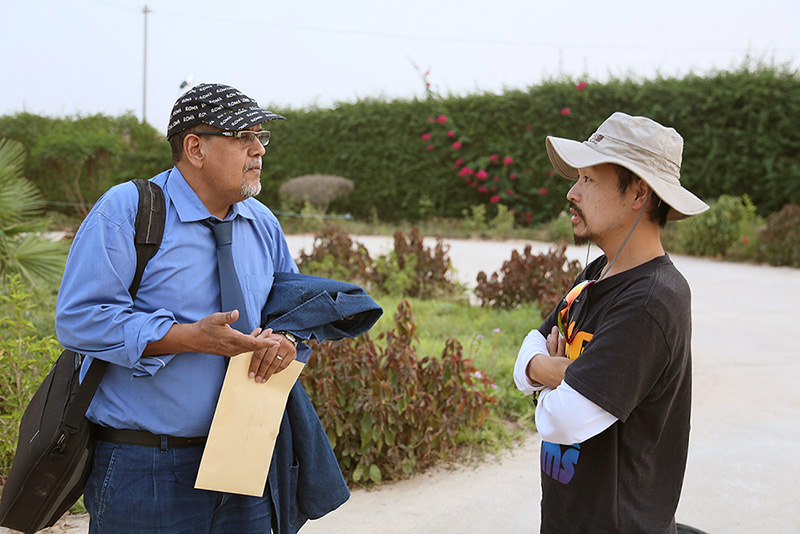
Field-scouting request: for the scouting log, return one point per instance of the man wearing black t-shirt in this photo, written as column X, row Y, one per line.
column 611, row 365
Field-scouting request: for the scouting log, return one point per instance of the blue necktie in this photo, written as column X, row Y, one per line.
column 230, row 289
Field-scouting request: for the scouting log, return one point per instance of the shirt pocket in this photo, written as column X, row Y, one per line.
column 258, row 287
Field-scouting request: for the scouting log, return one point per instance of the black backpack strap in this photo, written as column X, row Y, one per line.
column 150, row 219
column 149, row 230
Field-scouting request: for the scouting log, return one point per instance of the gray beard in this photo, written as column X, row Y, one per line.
column 247, row 191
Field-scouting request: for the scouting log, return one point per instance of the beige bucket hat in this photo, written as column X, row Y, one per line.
column 651, row 151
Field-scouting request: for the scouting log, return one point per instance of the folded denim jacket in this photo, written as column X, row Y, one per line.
column 305, row 480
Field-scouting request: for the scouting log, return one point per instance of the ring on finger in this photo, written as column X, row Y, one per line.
column 279, row 357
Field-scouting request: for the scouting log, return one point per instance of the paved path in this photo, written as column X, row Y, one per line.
column 743, row 464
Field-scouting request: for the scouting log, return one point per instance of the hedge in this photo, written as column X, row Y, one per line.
column 740, row 131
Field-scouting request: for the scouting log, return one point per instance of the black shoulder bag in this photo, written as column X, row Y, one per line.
column 54, row 451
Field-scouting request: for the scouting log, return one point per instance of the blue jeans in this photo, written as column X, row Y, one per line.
column 143, row 490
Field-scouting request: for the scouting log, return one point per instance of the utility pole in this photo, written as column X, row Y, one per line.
column 146, row 10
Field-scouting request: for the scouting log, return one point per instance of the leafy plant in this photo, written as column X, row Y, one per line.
column 25, row 358
column 712, row 233
column 389, row 413
column 528, row 277
column 779, row 241
column 23, row 247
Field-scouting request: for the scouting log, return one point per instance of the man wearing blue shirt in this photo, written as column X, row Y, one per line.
column 168, row 348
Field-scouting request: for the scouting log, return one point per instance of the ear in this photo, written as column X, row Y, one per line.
column 193, row 151
column 641, row 191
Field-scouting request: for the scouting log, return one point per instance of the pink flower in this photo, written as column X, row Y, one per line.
column 466, row 171
column 510, row 193
column 496, row 178
column 467, row 180
column 550, row 173
column 543, row 191
column 513, row 176
column 493, row 188
column 508, row 160
column 483, row 189
column 481, row 175
column 456, row 145
column 429, row 147
column 450, row 133
column 426, row 137
column 441, row 119
column 460, row 162
column 581, row 86
column 529, row 216
column 494, row 158
column 566, row 112
column 495, row 199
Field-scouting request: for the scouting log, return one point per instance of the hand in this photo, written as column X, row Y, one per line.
column 272, row 360
column 211, row 335
column 556, row 345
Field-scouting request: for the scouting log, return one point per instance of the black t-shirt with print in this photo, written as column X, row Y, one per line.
column 634, row 348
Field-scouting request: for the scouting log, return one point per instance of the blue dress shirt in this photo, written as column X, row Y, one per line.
column 174, row 394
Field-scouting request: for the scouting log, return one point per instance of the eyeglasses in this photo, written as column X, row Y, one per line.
column 574, row 310
column 245, row 137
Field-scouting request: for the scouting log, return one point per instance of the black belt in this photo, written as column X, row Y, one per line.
column 140, row 437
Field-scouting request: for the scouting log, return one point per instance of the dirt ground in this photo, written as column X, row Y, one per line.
column 741, row 472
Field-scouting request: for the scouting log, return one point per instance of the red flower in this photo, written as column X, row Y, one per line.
column 494, row 158
column 450, row 133
column 745, row 239
column 493, row 188
column 581, row 86
column 495, row 199
column 566, row 112
column 468, row 180
column 456, row 145
column 529, row 216
column 441, row 119
column 513, row 176
column 483, row 189
column 543, row 191
column 510, row 193
column 550, row 173
column 481, row 175
column 460, row 162
column 429, row 147
column 508, row 160
column 426, row 137
column 496, row 178
column 466, row 171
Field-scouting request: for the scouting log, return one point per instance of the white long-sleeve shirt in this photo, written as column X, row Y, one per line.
column 562, row 415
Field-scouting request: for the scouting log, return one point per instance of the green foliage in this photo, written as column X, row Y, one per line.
column 388, row 413
column 712, row 233
column 23, row 247
column 411, row 269
column 779, row 241
column 528, row 277
column 25, row 358
column 74, row 160
column 739, row 129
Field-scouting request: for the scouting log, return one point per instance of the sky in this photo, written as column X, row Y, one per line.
column 88, row 56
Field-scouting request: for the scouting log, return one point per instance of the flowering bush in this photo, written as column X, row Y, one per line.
column 498, row 178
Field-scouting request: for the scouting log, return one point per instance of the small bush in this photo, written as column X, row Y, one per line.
column 411, row 269
column 527, row 277
column 712, row 233
column 318, row 189
column 25, row 359
column 388, row 413
column 335, row 255
column 779, row 241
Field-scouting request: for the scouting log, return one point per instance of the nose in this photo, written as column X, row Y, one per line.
column 257, row 149
column 572, row 194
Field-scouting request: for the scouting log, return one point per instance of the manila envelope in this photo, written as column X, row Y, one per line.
column 244, row 429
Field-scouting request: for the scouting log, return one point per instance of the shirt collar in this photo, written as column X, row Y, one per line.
column 189, row 206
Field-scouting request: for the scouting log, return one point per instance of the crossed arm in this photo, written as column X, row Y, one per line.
column 562, row 414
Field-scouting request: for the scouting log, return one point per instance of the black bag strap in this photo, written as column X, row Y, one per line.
column 149, row 230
